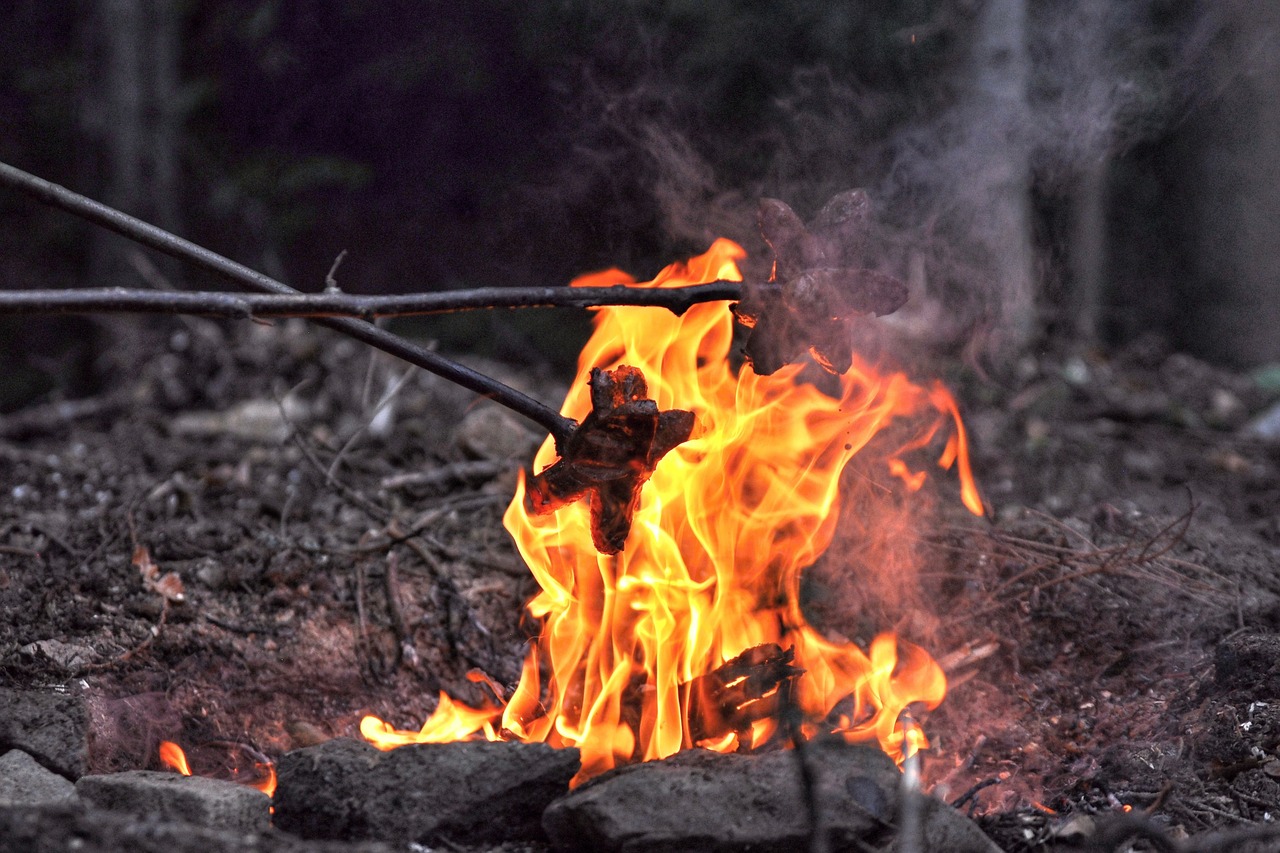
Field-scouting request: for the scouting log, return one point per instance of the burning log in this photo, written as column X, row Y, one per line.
column 750, row 687
column 610, row 456
column 823, row 288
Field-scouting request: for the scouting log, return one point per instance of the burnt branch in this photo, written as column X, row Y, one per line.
column 114, row 300
column 610, row 456
column 752, row 686
column 822, row 286
column 149, row 235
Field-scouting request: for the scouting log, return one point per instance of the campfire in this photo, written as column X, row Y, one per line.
column 687, row 630
column 725, row 546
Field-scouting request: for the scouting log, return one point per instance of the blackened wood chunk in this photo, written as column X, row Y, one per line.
column 740, row 691
column 610, row 456
column 821, row 286
column 786, row 235
column 845, row 223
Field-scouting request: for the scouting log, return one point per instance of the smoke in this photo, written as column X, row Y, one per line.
column 953, row 120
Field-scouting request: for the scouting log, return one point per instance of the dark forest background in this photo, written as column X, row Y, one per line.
column 1074, row 174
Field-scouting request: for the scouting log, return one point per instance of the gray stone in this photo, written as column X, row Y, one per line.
column 23, row 782
column 172, row 796
column 51, row 727
column 492, row 432
column 942, row 828
column 470, row 792
column 704, row 801
column 87, row 830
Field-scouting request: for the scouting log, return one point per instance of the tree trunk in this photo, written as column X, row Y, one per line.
column 999, row 183
column 1087, row 251
column 135, row 120
column 1228, row 199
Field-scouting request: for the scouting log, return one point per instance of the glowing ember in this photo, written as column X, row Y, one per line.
column 693, row 633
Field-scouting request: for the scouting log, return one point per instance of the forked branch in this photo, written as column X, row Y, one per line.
column 329, row 304
column 135, row 229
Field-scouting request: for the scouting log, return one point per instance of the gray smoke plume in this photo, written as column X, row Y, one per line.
column 990, row 105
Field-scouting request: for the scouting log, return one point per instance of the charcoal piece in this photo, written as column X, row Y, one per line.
column 705, row 801
column 159, row 795
column 820, row 289
column 89, row 830
column 610, row 456
column 51, row 727
column 23, row 782
column 740, row 691
column 471, row 792
column 787, row 236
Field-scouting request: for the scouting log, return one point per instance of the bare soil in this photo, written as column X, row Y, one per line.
column 1110, row 629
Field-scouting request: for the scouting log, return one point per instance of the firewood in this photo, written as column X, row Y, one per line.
column 610, row 456
column 740, row 691
column 823, row 289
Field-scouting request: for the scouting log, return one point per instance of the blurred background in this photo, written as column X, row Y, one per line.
column 1077, row 174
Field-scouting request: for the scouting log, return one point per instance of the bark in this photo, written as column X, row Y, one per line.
column 135, row 119
column 999, row 185
column 1227, row 203
column 1087, row 254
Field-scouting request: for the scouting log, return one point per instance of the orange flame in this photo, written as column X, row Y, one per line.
column 172, row 756
column 175, row 758
column 266, row 784
column 712, row 566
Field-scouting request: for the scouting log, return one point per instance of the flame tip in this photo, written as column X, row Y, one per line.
column 711, row 569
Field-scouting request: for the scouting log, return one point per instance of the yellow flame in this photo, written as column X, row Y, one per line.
column 712, row 565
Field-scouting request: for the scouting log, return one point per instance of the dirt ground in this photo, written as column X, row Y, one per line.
column 1110, row 629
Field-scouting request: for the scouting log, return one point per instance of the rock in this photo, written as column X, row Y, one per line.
column 492, row 432
column 68, row 657
column 704, row 801
column 23, row 782
column 461, row 793
column 86, row 830
column 259, row 421
column 944, row 828
column 51, row 727
column 171, row 796
column 1266, row 425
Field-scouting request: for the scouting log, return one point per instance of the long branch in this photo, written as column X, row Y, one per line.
column 135, row 229
column 329, row 304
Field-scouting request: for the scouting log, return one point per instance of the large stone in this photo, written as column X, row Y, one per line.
column 86, row 830
column 171, row 796
column 470, row 792
column 704, row 801
column 942, row 828
column 23, row 782
column 51, row 727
